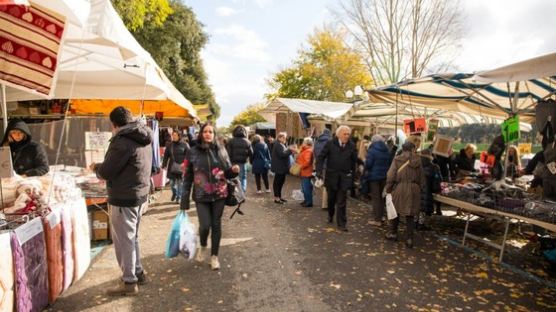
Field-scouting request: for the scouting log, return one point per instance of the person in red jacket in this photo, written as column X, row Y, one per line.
column 305, row 161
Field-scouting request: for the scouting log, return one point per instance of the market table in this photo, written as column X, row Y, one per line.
column 474, row 209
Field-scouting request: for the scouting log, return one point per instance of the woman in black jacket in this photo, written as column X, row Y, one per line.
column 207, row 166
column 174, row 155
column 28, row 157
column 280, row 165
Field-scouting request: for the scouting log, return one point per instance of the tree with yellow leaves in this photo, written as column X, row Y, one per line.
column 323, row 71
column 248, row 116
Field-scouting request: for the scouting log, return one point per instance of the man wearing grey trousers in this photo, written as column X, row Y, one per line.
column 127, row 170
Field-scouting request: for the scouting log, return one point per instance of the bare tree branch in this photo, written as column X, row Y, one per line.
column 402, row 38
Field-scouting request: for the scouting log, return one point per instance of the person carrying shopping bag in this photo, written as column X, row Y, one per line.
column 207, row 166
column 405, row 180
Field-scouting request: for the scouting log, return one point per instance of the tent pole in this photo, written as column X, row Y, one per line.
column 4, row 109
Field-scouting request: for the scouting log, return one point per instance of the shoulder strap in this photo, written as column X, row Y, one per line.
column 403, row 166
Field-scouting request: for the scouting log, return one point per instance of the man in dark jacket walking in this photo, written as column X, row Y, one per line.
column 340, row 156
column 239, row 149
column 127, row 171
column 320, row 142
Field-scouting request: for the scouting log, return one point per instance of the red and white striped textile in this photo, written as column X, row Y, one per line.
column 30, row 39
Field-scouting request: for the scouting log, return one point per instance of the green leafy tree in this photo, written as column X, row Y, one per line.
column 176, row 45
column 138, row 13
column 248, row 116
column 323, row 71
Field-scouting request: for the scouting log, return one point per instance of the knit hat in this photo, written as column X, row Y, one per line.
column 377, row 138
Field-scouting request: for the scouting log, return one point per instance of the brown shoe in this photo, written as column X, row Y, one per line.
column 123, row 289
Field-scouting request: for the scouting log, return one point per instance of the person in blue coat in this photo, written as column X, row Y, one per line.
column 377, row 163
column 261, row 162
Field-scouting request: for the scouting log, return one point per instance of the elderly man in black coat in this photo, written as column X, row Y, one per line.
column 340, row 156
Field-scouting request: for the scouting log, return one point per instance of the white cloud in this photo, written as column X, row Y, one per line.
column 246, row 44
column 225, row 11
column 260, row 3
column 498, row 36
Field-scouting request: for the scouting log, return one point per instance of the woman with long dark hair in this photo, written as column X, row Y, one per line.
column 207, row 166
column 174, row 155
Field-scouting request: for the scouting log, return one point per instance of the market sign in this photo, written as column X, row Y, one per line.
column 415, row 126
column 6, row 168
column 510, row 129
column 433, row 127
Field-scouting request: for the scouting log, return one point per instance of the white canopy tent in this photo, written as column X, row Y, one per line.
column 323, row 108
column 102, row 60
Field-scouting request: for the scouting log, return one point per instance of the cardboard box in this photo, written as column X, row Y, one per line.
column 100, row 225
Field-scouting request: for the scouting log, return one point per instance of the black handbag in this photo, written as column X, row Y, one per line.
column 235, row 193
column 174, row 168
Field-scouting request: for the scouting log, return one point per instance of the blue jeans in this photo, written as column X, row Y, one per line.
column 307, row 189
column 177, row 187
column 243, row 177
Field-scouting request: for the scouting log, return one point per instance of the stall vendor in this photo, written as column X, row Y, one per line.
column 28, row 157
column 465, row 161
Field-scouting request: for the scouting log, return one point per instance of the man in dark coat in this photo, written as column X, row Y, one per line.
column 340, row 156
column 239, row 149
column 28, row 157
column 127, row 171
column 320, row 142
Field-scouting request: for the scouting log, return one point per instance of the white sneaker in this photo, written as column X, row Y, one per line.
column 268, row 191
column 259, row 192
column 214, row 264
column 200, row 256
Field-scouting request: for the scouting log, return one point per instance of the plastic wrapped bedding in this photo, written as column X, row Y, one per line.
column 52, row 224
column 6, row 274
column 30, row 264
column 67, row 243
column 81, row 238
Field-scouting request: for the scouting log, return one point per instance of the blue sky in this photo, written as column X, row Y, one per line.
column 251, row 39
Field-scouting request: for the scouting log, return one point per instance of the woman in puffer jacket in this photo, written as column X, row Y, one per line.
column 377, row 163
column 305, row 161
column 207, row 166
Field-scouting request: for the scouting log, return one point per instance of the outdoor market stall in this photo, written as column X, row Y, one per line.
column 290, row 115
column 510, row 91
column 96, row 63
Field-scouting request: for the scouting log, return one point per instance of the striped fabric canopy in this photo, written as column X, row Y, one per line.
column 462, row 93
column 30, row 39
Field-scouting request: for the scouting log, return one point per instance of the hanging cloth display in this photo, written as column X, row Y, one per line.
column 31, row 273
column 52, row 225
column 6, row 274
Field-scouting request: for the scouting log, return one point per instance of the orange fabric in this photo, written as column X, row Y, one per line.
column 104, row 107
column 305, row 160
column 54, row 255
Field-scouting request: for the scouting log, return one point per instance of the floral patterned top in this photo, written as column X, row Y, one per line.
column 206, row 171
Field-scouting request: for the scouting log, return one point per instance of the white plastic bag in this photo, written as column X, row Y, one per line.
column 390, row 209
column 297, row 195
column 188, row 239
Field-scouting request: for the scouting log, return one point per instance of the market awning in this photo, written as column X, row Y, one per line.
column 104, row 107
column 460, row 93
column 542, row 66
column 385, row 113
column 283, row 105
